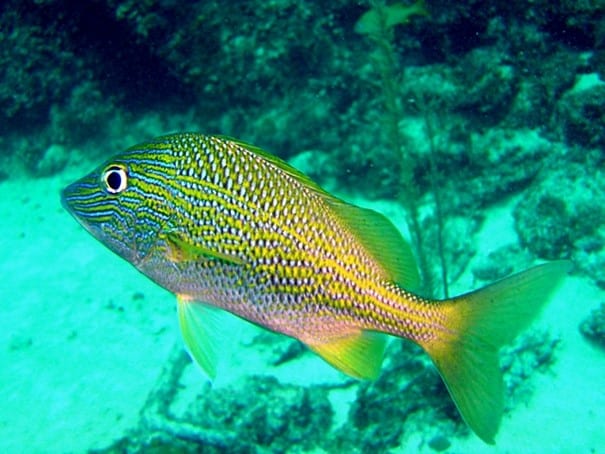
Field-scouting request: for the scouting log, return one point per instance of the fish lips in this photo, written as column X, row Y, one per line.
column 75, row 199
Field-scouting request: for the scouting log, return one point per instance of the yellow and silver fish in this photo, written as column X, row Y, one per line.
column 225, row 225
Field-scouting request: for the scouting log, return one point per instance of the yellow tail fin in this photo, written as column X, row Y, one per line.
column 478, row 324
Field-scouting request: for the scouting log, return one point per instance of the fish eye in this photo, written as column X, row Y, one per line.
column 115, row 179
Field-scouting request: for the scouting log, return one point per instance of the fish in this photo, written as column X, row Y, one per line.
column 232, row 229
column 380, row 18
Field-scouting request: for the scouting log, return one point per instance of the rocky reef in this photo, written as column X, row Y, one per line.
column 570, row 205
column 273, row 71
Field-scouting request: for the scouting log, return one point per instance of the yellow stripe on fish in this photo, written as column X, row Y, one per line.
column 227, row 226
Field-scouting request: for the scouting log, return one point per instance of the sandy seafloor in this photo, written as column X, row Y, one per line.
column 83, row 338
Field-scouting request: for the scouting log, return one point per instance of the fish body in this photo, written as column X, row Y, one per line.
column 227, row 226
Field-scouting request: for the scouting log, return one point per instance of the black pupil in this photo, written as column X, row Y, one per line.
column 114, row 179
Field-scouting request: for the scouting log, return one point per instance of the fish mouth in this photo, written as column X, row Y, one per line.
column 95, row 212
column 82, row 199
column 64, row 202
column 81, row 196
column 69, row 204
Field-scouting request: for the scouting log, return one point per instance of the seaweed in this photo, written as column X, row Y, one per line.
column 384, row 57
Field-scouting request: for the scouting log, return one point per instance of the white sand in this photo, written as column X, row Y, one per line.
column 89, row 368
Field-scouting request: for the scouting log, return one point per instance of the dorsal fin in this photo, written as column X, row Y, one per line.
column 382, row 240
column 377, row 234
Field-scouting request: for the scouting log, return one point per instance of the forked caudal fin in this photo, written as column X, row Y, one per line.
column 477, row 325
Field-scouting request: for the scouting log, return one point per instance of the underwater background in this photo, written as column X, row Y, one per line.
column 477, row 127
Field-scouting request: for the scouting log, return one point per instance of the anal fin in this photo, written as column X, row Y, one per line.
column 359, row 354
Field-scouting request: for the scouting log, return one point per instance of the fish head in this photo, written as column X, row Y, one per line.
column 124, row 203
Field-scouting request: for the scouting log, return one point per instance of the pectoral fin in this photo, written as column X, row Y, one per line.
column 205, row 330
column 178, row 249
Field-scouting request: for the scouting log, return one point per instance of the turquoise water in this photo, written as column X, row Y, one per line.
column 477, row 129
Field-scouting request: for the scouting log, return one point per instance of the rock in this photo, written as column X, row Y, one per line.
column 581, row 112
column 491, row 85
column 439, row 443
column 53, row 161
column 265, row 412
column 532, row 351
column 500, row 263
column 593, row 327
column 563, row 216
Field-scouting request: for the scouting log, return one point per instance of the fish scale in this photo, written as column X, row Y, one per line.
column 226, row 226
